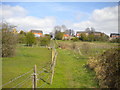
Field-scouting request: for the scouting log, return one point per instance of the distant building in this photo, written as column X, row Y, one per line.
column 68, row 34
column 114, row 36
column 78, row 34
column 66, row 37
column 37, row 33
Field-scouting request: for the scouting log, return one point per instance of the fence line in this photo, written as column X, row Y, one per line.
column 22, row 82
column 44, row 83
column 47, row 69
column 54, row 55
column 16, row 78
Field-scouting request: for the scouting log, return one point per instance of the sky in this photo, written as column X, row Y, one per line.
column 103, row 16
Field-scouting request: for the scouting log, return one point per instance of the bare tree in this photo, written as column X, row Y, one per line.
column 92, row 29
column 9, row 40
column 64, row 28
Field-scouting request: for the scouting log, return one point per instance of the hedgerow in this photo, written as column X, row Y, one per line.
column 107, row 68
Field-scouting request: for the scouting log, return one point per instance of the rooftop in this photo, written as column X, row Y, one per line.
column 37, row 31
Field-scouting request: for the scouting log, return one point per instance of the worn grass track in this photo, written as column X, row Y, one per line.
column 70, row 72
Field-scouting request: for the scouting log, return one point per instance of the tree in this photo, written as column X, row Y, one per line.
column 9, row 40
column 72, row 32
column 59, row 36
column 75, row 39
column 91, row 37
column 44, row 41
column 21, row 38
column 22, row 32
column 87, row 29
column 30, row 39
column 64, row 28
column 83, row 37
column 57, row 29
column 92, row 29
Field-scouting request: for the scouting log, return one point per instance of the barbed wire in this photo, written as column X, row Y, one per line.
column 47, row 68
column 22, row 82
column 44, row 83
column 16, row 78
column 25, row 81
column 43, row 76
column 29, row 86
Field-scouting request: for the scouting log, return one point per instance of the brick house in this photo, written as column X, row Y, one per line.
column 68, row 34
column 78, row 34
column 114, row 36
column 37, row 33
column 66, row 37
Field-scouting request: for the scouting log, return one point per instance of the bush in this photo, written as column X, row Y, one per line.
column 30, row 39
column 21, row 38
column 83, row 37
column 73, row 46
column 91, row 37
column 117, row 40
column 9, row 41
column 44, row 41
column 85, row 48
column 59, row 36
column 107, row 68
column 75, row 39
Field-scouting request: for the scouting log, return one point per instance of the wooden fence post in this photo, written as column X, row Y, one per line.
column 35, row 78
column 53, row 66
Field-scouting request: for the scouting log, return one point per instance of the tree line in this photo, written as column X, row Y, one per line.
column 10, row 40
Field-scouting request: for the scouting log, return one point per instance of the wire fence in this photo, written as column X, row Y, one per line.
column 42, row 77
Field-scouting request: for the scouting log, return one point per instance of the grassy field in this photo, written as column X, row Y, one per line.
column 70, row 70
column 24, row 61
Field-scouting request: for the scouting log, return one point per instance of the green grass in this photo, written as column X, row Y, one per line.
column 70, row 72
column 24, row 61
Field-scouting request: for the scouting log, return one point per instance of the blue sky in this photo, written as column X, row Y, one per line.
column 63, row 12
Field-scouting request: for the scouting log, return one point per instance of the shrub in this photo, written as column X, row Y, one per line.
column 21, row 38
column 73, row 46
column 75, row 39
column 44, row 41
column 117, row 40
column 85, row 48
column 83, row 37
column 9, row 41
column 30, row 39
column 107, row 68
column 59, row 36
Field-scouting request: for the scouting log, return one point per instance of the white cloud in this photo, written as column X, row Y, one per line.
column 30, row 22
column 13, row 11
column 17, row 15
column 104, row 20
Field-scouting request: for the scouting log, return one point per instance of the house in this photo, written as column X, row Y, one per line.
column 66, row 37
column 37, row 33
column 78, row 34
column 68, row 34
column 114, row 36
